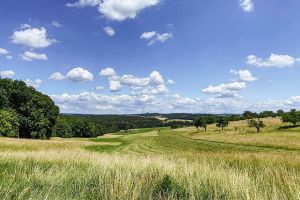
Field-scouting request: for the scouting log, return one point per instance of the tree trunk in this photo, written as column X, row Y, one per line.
column 258, row 129
column 205, row 128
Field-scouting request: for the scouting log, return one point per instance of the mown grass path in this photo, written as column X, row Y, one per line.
column 168, row 141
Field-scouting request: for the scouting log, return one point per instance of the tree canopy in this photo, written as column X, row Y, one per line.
column 222, row 122
column 201, row 122
column 256, row 123
column 292, row 117
column 34, row 112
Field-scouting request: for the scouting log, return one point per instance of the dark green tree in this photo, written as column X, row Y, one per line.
column 265, row 114
column 256, row 123
column 201, row 122
column 9, row 125
column 280, row 113
column 291, row 117
column 62, row 128
column 222, row 122
column 249, row 115
column 84, row 128
column 36, row 112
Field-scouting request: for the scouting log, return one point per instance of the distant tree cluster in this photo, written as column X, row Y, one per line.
column 178, row 124
column 25, row 112
column 264, row 114
column 204, row 121
column 190, row 116
column 113, row 123
column 97, row 125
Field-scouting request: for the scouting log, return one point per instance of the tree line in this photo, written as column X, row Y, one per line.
column 97, row 125
column 254, row 119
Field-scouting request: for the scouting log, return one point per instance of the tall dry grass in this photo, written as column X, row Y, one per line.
column 165, row 165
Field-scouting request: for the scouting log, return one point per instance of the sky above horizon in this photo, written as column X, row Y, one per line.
column 138, row 56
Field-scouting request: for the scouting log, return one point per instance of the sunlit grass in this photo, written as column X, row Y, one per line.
column 156, row 164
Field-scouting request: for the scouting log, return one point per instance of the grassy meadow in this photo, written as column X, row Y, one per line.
column 157, row 163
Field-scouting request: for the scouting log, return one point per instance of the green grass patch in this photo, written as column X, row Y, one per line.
column 103, row 139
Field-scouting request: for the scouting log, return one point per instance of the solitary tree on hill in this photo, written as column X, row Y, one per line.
column 222, row 122
column 257, row 123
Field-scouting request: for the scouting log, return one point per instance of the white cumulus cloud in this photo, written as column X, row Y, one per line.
column 153, row 37
column 223, row 88
column 148, row 35
column 79, row 74
column 274, row 60
column 3, row 51
column 32, row 37
column 57, row 76
column 244, row 75
column 153, row 84
column 107, row 72
column 29, row 56
column 118, row 10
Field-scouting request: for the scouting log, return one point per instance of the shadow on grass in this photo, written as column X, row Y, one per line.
column 167, row 188
column 288, row 127
column 106, row 140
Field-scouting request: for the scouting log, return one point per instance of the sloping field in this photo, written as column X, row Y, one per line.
column 236, row 163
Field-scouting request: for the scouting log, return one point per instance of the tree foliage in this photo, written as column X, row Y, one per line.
column 201, row 122
column 9, row 125
column 280, row 113
column 291, row 117
column 256, row 123
column 222, row 122
column 35, row 111
column 62, row 128
column 249, row 115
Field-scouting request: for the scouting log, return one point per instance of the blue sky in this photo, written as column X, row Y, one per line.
column 132, row 56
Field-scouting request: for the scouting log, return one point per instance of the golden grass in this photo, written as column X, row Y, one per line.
column 180, row 164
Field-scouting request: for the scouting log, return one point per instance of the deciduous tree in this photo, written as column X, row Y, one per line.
column 222, row 122
column 256, row 123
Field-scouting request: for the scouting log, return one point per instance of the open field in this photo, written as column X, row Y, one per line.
column 236, row 163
